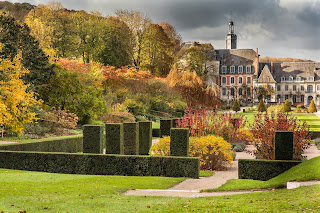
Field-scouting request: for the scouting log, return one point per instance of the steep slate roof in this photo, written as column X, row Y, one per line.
column 296, row 69
column 266, row 76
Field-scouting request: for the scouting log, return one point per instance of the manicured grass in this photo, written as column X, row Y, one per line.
column 311, row 119
column 156, row 125
column 15, row 139
column 206, row 173
column 45, row 192
column 308, row 170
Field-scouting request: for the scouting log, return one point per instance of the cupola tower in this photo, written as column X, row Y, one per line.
column 231, row 38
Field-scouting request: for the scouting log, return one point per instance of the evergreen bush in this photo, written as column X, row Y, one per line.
column 262, row 106
column 287, row 106
column 165, row 126
column 145, row 137
column 93, row 139
column 114, row 138
column 283, row 145
column 236, row 106
column 312, row 108
column 131, row 138
column 179, row 142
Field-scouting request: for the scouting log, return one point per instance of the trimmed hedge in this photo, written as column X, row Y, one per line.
column 156, row 133
column 71, row 144
column 93, row 139
column 114, row 138
column 165, row 126
column 283, row 145
column 131, row 138
column 179, row 142
column 145, row 137
column 263, row 169
column 315, row 134
column 97, row 164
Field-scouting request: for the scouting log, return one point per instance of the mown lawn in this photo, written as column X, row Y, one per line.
column 46, row 192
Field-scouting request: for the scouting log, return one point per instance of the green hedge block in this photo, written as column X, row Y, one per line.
column 156, row 133
column 131, row 138
column 93, row 139
column 283, row 147
column 72, row 144
column 114, row 138
column 98, row 164
column 263, row 169
column 145, row 137
column 179, row 142
column 315, row 134
column 165, row 126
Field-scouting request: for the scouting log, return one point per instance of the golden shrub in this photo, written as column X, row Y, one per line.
column 214, row 152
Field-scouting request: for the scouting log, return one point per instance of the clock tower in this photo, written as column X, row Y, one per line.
column 231, row 38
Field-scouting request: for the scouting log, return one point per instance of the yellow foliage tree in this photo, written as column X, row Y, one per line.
column 16, row 102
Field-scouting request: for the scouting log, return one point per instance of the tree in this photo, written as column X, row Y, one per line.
column 312, row 108
column 287, row 106
column 236, row 106
column 262, row 106
column 16, row 101
column 195, row 59
column 138, row 23
column 262, row 91
column 173, row 35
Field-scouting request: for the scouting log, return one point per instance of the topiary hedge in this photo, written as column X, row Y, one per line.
column 97, row 164
column 131, row 138
column 263, row 169
column 156, row 133
column 179, row 142
column 70, row 144
column 93, row 139
column 283, row 146
column 114, row 138
column 145, row 137
column 165, row 126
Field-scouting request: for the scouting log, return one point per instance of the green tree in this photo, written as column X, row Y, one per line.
column 196, row 59
column 262, row 106
column 236, row 106
column 312, row 108
column 287, row 106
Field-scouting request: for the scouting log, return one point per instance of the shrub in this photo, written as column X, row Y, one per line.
column 93, row 139
column 287, row 106
column 63, row 118
column 238, row 147
column 214, row 152
column 312, row 108
column 263, row 130
column 262, row 106
column 275, row 108
column 236, row 106
column 114, row 138
column 179, row 142
column 131, row 138
column 145, row 137
column 165, row 126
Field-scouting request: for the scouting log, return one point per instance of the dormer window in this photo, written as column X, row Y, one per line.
column 298, row 78
column 232, row 69
column 290, row 79
column 224, row 69
column 240, row 69
column 283, row 79
column 310, row 78
column 248, row 69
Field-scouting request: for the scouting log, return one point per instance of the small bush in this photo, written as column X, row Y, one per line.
column 214, row 152
column 262, row 106
column 275, row 108
column 312, row 108
column 238, row 147
column 236, row 106
column 287, row 106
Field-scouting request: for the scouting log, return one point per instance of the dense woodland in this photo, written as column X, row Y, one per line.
column 76, row 67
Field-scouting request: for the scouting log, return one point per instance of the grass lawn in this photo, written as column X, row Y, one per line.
column 156, row 125
column 307, row 170
column 46, row 192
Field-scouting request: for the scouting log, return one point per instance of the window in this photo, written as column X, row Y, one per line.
column 240, row 91
column 248, row 91
column 302, row 98
column 290, row 78
column 286, row 87
column 294, row 87
column 278, row 88
column 318, row 87
column 298, row 78
column 286, row 97
column 279, row 98
column 302, row 88
column 310, row 78
column 232, row 91
column 224, row 80
column 269, row 98
column 283, row 79
column 232, row 80
column 224, row 69
column 248, row 69
column 294, row 98
column 248, row 80
column 224, row 91
column 232, row 69
column 240, row 69
column 240, row 80
column 309, row 88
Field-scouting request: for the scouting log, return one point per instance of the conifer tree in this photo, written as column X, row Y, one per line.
column 262, row 106
column 287, row 106
column 236, row 106
column 312, row 108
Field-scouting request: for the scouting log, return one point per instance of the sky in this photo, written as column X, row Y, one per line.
column 279, row 28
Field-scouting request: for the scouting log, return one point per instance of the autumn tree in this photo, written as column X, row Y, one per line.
column 138, row 23
column 16, row 101
column 262, row 92
column 173, row 35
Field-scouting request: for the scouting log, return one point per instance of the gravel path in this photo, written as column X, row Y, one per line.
column 192, row 187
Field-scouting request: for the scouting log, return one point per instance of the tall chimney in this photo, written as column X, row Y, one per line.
column 257, row 53
column 271, row 67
